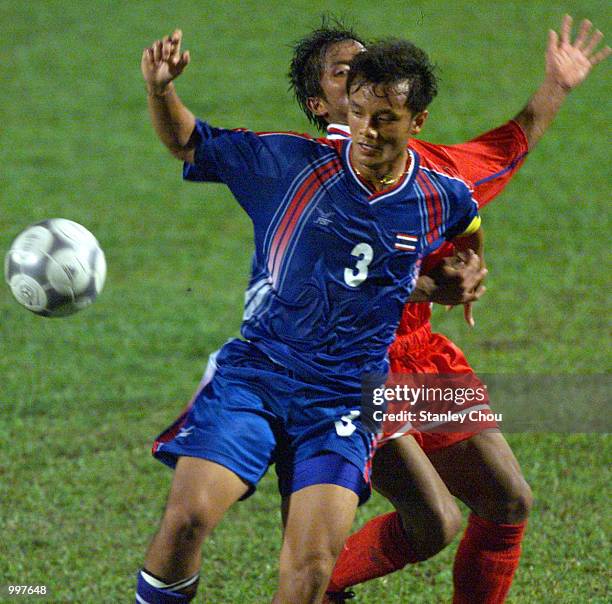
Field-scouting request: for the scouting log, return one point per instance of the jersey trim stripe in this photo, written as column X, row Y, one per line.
column 444, row 201
column 303, row 196
column 503, row 171
column 306, row 217
column 434, row 208
column 282, row 207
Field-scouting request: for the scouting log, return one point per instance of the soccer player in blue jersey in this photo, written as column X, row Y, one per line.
column 479, row 469
column 323, row 303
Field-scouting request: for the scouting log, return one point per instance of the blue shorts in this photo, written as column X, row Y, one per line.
column 251, row 412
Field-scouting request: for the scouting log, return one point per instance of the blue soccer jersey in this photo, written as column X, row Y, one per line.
column 334, row 262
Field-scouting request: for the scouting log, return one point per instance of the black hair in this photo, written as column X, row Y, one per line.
column 392, row 62
column 308, row 62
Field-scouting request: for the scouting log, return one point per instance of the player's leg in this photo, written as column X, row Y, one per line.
column 425, row 521
column 484, row 473
column 220, row 447
column 201, row 493
column 318, row 520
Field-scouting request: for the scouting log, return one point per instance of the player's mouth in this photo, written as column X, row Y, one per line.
column 367, row 149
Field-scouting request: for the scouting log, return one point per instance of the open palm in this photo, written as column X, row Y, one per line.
column 570, row 63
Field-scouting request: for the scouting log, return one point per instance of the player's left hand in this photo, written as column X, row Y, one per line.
column 568, row 64
column 458, row 280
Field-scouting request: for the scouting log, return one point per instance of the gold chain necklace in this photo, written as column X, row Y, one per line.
column 386, row 181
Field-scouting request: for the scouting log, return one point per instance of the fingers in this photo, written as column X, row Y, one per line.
column 467, row 314
column 157, row 51
column 474, row 295
column 174, row 46
column 583, row 34
column 183, row 61
column 166, row 48
column 585, row 41
column 177, row 37
column 553, row 40
column 601, row 55
column 473, row 260
column 566, row 29
column 147, row 57
column 593, row 42
column 169, row 49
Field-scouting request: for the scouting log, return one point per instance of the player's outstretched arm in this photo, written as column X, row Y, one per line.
column 161, row 64
column 568, row 64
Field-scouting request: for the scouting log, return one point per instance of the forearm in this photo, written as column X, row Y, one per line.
column 474, row 242
column 173, row 122
column 423, row 290
column 541, row 109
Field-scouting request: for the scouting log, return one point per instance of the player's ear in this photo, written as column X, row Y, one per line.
column 317, row 106
column 417, row 121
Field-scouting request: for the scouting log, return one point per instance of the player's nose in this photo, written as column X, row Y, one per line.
column 369, row 129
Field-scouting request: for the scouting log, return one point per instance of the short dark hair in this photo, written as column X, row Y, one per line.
column 308, row 62
column 391, row 62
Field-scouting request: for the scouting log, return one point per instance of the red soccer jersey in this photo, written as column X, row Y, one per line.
column 488, row 162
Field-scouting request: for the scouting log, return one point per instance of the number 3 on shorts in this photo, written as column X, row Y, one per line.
column 364, row 254
column 345, row 425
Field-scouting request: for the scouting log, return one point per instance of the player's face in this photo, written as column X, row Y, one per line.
column 381, row 124
column 333, row 107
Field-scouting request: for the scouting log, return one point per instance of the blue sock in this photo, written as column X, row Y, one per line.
column 151, row 590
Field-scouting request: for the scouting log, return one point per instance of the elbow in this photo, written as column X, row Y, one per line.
column 184, row 154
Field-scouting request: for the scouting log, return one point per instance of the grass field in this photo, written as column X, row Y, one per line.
column 82, row 397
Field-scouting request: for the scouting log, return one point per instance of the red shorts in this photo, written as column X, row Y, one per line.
column 424, row 352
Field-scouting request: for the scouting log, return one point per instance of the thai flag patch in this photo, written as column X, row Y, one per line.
column 406, row 243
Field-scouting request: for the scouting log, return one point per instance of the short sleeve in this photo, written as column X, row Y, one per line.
column 488, row 161
column 222, row 154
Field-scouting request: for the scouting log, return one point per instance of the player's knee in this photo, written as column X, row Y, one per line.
column 189, row 523
column 435, row 531
column 511, row 506
column 518, row 504
column 308, row 574
column 445, row 527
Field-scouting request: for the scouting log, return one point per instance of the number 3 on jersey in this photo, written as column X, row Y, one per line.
column 364, row 254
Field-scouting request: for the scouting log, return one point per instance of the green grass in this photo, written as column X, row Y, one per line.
column 81, row 398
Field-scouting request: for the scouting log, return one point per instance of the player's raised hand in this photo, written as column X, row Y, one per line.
column 569, row 63
column 163, row 62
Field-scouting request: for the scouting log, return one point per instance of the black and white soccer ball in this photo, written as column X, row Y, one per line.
column 55, row 268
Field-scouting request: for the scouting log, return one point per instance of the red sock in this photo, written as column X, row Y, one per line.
column 487, row 557
column 378, row 548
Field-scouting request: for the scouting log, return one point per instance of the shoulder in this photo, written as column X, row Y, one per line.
column 297, row 144
column 437, row 164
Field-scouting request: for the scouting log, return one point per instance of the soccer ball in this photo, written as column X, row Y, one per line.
column 55, row 268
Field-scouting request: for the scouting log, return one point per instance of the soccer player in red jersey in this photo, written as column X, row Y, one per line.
column 478, row 468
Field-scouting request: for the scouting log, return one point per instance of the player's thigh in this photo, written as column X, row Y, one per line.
column 318, row 519
column 202, row 491
column 403, row 474
column 483, row 472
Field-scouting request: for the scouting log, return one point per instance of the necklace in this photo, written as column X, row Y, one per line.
column 386, row 180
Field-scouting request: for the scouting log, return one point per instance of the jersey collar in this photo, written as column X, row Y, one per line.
column 396, row 189
column 338, row 131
